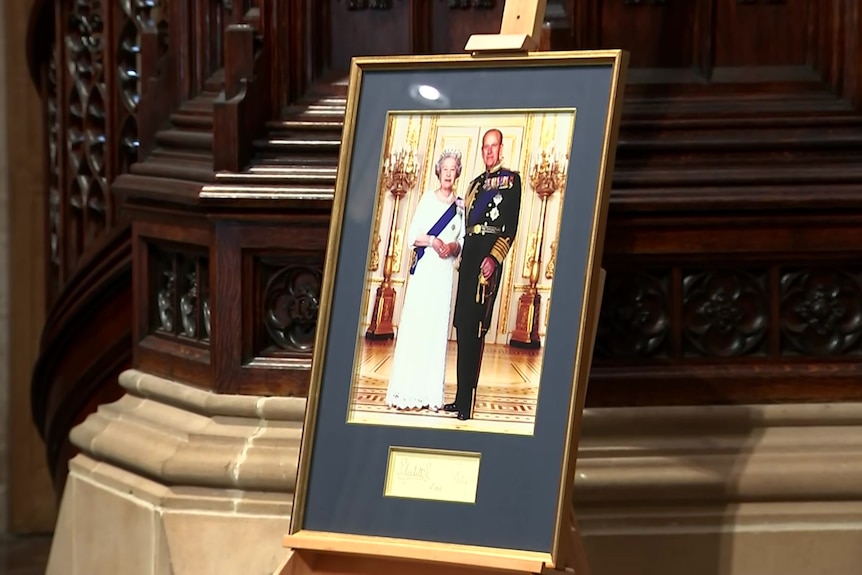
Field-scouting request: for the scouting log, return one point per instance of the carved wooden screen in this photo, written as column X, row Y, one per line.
column 732, row 244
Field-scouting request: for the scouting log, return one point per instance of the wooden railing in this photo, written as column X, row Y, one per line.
column 194, row 149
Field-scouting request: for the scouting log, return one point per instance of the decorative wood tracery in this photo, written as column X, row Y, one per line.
column 467, row 4
column 179, row 296
column 369, row 4
column 291, row 302
column 87, row 207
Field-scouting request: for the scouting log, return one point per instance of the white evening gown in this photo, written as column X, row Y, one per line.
column 419, row 365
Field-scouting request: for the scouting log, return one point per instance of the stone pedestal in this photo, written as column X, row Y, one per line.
column 742, row 490
column 175, row 480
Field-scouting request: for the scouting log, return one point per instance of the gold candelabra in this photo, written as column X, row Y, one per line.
column 398, row 178
column 547, row 176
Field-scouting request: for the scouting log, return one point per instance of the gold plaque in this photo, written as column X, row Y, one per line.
column 432, row 474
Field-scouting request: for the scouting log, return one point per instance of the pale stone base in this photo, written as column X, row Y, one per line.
column 176, row 481
column 173, row 480
column 743, row 490
column 113, row 522
column 768, row 550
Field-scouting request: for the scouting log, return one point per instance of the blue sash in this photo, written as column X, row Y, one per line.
column 435, row 230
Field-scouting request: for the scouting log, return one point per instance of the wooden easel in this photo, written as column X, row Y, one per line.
column 314, row 553
column 335, row 554
column 519, row 32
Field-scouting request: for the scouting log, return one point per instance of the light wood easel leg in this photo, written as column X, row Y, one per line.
column 294, row 564
column 572, row 551
column 520, row 31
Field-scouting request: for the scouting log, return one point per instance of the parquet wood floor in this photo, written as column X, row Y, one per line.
column 506, row 395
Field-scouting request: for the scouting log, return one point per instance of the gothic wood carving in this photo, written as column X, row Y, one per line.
column 467, row 4
column 173, row 327
column 635, row 317
column 366, row 4
column 291, row 302
column 821, row 312
column 179, row 295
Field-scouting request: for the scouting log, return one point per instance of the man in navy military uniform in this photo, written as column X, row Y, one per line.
column 492, row 205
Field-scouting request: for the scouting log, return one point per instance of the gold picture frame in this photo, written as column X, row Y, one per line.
column 344, row 468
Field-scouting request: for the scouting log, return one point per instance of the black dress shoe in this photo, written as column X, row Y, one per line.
column 450, row 407
column 463, row 415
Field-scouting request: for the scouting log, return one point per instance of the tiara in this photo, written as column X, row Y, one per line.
column 451, row 152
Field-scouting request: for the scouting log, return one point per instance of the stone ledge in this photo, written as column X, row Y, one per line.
column 721, row 490
column 179, row 434
column 247, row 443
column 722, row 455
column 741, row 518
column 212, row 404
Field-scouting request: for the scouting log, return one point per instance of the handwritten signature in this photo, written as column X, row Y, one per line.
column 434, row 476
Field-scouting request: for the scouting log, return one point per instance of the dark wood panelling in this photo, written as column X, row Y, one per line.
column 656, row 34
column 366, row 31
column 732, row 236
column 765, row 33
column 452, row 27
column 262, row 336
column 86, row 341
column 730, row 307
column 161, row 283
column 757, row 45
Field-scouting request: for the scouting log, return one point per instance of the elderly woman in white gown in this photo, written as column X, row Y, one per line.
column 436, row 234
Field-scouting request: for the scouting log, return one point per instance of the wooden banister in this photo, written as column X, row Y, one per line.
column 243, row 108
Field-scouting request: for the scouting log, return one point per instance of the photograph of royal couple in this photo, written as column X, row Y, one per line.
column 461, row 242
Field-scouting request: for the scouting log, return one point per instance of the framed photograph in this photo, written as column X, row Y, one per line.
column 460, row 300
